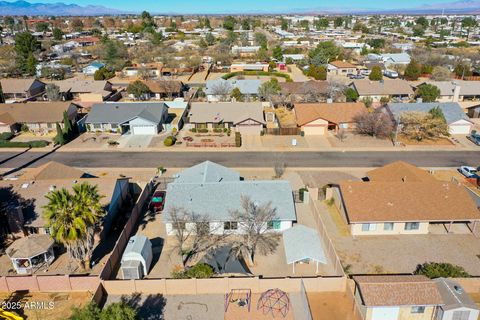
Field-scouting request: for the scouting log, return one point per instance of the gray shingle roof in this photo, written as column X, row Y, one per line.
column 301, row 243
column 122, row 112
column 207, row 171
column 453, row 295
column 217, row 112
column 451, row 110
column 217, row 200
column 245, row 86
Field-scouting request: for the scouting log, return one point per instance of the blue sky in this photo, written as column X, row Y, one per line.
column 221, row 6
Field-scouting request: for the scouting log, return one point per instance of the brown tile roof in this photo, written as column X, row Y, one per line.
column 164, row 86
column 333, row 112
column 385, row 87
column 53, row 170
column 314, row 86
column 399, row 171
column 377, row 201
column 35, row 112
column 342, row 64
column 398, row 291
column 12, row 85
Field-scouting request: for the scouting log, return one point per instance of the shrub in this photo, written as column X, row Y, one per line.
column 238, row 139
column 217, row 130
column 6, row 136
column 169, row 141
column 225, row 129
column 441, row 269
column 30, row 144
column 202, row 130
column 112, row 143
column 198, row 271
column 193, row 130
column 24, row 128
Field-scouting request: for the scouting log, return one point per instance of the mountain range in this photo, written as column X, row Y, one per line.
column 21, row 7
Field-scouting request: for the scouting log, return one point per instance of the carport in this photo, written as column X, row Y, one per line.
column 303, row 245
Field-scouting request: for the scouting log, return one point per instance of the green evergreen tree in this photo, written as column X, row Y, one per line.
column 376, row 74
column 2, row 97
column 68, row 127
column 59, row 138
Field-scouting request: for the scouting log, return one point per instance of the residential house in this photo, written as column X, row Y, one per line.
column 457, row 304
column 341, row 68
column 473, row 111
column 249, row 51
column 40, row 117
column 25, row 196
column 22, row 89
column 308, row 91
column 86, row 41
column 239, row 67
column 391, row 59
column 387, row 88
column 400, row 198
column 411, row 297
column 161, row 89
column 140, row 118
column 294, row 57
column 221, row 89
column 457, row 90
column 92, row 68
column 85, row 90
column 457, row 120
column 319, row 118
column 192, row 192
column 244, row 117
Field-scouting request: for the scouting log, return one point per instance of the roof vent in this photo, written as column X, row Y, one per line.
column 24, row 185
column 458, row 289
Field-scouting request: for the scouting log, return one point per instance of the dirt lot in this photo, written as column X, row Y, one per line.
column 330, row 305
column 48, row 305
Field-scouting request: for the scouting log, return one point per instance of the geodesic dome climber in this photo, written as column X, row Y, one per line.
column 274, row 301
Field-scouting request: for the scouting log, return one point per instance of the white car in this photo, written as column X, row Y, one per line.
column 468, row 171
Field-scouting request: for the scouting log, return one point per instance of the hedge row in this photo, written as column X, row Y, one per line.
column 30, row 144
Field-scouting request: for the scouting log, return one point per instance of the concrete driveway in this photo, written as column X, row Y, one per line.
column 135, row 141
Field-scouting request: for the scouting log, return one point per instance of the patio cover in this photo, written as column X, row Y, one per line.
column 301, row 243
column 30, row 246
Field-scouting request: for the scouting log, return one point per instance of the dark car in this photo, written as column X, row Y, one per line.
column 158, row 201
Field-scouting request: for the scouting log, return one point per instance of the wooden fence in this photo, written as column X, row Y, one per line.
column 330, row 249
column 283, row 131
column 49, row 283
column 121, row 243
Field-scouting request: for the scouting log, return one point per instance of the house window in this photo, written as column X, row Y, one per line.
column 230, row 225
column 178, row 226
column 388, row 226
column 461, row 315
column 49, row 125
column 274, row 224
column 97, row 126
column 114, row 126
column 369, row 226
column 418, row 309
column 201, row 126
column 412, row 226
column 219, row 125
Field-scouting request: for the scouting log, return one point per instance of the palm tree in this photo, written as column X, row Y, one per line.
column 72, row 219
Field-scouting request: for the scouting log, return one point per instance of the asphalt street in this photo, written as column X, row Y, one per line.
column 240, row 159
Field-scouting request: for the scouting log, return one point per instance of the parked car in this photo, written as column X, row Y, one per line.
column 475, row 138
column 468, row 172
column 390, row 74
column 158, row 201
column 356, row 76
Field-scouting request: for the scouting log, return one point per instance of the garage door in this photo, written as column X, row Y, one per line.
column 312, row 131
column 459, row 129
column 253, row 129
column 385, row 313
column 144, row 129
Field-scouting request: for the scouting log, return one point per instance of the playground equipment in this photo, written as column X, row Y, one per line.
column 241, row 297
column 9, row 315
column 274, row 301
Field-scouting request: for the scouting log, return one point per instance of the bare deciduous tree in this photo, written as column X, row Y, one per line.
column 194, row 234
column 279, row 167
column 421, row 125
column 335, row 90
column 341, row 134
column 221, row 90
column 53, row 92
column 254, row 221
column 376, row 124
